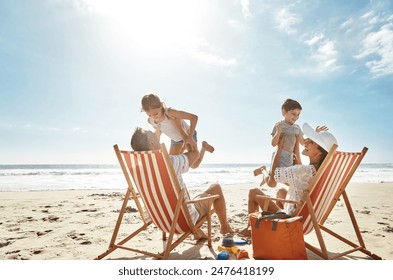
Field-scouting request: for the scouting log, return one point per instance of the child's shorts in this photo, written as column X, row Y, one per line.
column 285, row 159
column 181, row 142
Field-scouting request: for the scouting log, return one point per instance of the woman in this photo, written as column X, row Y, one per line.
column 297, row 177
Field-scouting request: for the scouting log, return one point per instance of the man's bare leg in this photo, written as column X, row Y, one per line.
column 220, row 208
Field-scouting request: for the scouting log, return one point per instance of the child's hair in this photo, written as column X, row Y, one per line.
column 290, row 104
column 151, row 101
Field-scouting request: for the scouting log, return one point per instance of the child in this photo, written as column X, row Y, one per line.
column 289, row 154
column 172, row 123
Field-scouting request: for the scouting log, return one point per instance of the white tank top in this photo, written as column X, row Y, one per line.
column 169, row 128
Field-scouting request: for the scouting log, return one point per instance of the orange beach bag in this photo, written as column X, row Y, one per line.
column 277, row 237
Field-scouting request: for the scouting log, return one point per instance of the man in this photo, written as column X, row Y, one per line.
column 146, row 140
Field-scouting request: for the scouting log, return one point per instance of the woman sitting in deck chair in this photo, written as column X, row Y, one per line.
column 297, row 177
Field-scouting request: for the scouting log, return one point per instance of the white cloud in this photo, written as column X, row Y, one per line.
column 326, row 57
column 204, row 52
column 212, row 59
column 323, row 54
column 286, row 21
column 367, row 15
column 314, row 39
column 246, row 8
column 379, row 45
column 347, row 24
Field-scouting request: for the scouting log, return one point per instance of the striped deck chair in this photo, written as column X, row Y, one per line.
column 326, row 188
column 155, row 189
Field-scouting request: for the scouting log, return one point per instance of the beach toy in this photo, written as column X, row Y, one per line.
column 227, row 241
column 241, row 254
column 223, row 255
column 232, row 249
column 241, row 242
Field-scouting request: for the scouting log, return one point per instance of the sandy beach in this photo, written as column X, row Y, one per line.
column 78, row 225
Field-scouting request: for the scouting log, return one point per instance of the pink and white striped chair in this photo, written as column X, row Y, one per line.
column 322, row 194
column 156, row 192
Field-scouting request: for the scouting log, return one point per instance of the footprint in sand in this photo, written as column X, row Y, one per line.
column 4, row 244
column 78, row 237
column 51, row 219
column 27, row 219
column 12, row 252
column 387, row 229
column 87, row 210
column 129, row 209
column 41, row 233
column 37, row 251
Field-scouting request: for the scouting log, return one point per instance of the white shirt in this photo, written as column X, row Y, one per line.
column 298, row 177
column 168, row 127
column 181, row 165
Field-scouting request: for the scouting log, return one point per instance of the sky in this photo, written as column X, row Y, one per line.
column 73, row 72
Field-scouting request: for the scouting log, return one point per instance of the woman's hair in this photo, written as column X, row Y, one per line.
column 139, row 141
column 290, row 104
column 323, row 156
column 151, row 101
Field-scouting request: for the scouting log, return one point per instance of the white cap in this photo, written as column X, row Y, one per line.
column 324, row 139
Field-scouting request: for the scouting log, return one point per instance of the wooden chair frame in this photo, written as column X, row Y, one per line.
column 180, row 208
column 309, row 204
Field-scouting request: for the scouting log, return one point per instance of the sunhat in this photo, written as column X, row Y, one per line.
column 324, row 139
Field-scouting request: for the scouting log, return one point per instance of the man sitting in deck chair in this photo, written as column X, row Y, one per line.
column 146, row 140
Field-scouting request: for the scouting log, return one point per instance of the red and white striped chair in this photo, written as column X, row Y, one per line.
column 325, row 189
column 155, row 189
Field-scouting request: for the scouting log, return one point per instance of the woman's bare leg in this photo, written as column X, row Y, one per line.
column 255, row 204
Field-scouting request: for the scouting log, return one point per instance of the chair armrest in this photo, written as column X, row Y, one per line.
column 278, row 199
column 210, row 197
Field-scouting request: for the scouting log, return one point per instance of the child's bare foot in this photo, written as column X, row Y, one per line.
column 207, row 147
column 259, row 170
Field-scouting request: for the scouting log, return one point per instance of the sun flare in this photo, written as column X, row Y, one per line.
column 152, row 24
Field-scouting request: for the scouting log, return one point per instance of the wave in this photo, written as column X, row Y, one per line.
column 62, row 177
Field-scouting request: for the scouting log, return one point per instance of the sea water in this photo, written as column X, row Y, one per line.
column 95, row 177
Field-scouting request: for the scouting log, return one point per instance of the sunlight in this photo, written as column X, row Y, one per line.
column 151, row 24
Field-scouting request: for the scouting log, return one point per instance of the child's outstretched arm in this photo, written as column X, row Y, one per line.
column 157, row 130
column 300, row 139
column 297, row 150
column 193, row 122
column 276, row 136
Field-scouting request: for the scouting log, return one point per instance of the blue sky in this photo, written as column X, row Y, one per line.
column 72, row 73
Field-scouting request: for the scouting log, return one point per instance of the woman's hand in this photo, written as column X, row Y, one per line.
column 321, row 128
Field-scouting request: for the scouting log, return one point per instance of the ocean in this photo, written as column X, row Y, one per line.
column 40, row 177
